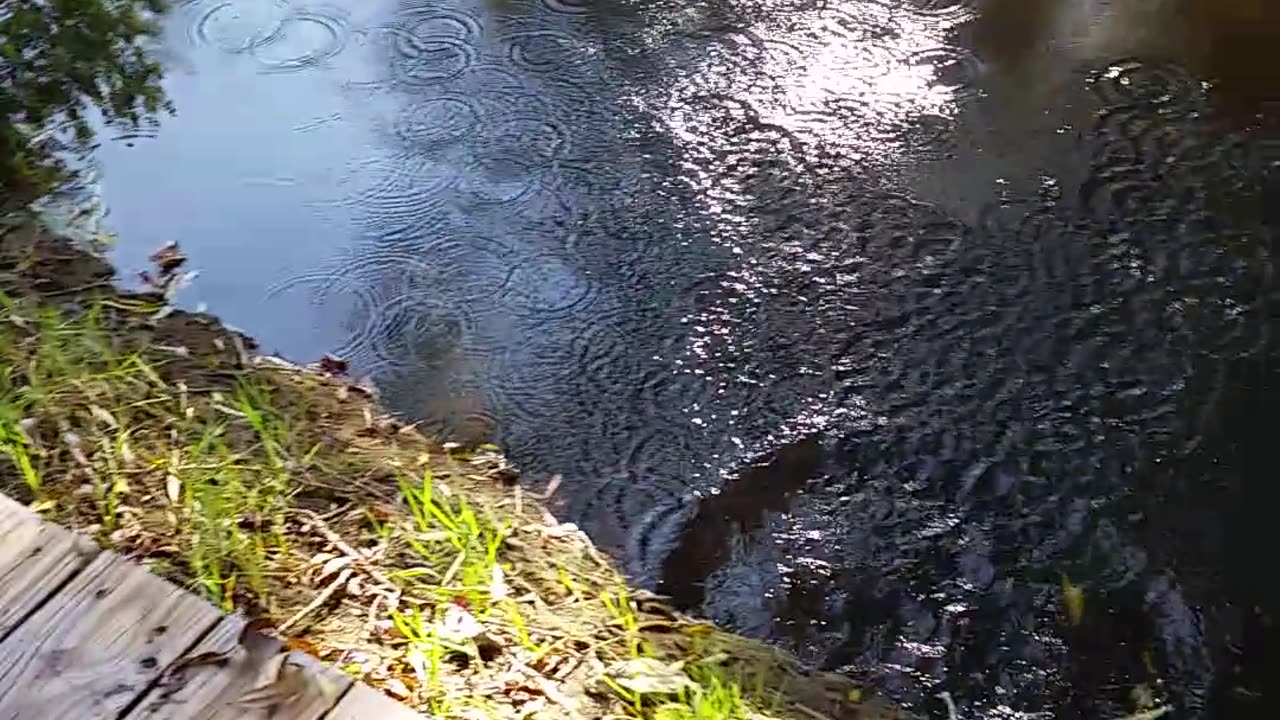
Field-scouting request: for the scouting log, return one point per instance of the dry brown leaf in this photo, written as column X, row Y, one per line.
column 168, row 258
column 302, row 645
column 332, row 365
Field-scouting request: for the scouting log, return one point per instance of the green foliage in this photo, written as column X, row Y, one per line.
column 231, row 488
column 458, row 546
column 59, row 59
column 109, row 422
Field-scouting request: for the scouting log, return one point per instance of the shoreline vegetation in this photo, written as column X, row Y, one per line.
column 285, row 493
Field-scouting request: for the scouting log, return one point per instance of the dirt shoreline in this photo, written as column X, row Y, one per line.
column 285, row 493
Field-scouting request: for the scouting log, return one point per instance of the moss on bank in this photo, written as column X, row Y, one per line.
column 286, row 494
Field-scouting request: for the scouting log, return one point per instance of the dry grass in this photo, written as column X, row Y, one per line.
column 288, row 496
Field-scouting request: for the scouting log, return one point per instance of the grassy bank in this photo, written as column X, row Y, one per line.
column 286, row 494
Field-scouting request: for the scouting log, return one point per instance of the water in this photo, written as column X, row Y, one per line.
column 861, row 326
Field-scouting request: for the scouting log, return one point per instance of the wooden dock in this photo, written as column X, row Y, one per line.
column 86, row 634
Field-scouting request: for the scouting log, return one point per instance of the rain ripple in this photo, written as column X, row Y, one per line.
column 280, row 37
column 306, row 37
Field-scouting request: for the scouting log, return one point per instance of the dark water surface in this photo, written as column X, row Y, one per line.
column 862, row 326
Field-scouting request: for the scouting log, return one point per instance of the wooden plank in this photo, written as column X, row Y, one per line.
column 210, row 692
column 97, row 645
column 9, row 506
column 101, row 644
column 365, row 703
column 35, row 560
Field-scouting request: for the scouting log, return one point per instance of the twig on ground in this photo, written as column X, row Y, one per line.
column 357, row 558
column 549, row 689
column 322, row 598
column 371, row 622
column 810, row 712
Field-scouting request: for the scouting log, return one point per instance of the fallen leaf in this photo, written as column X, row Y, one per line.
column 532, row 707
column 302, row 645
column 417, row 660
column 560, row 530
column 168, row 258
column 458, row 625
column 648, row 676
column 173, row 488
column 332, row 365
column 332, row 566
column 714, row 658
column 396, row 688
column 498, row 587
column 1072, row 601
column 321, row 558
column 179, row 350
column 104, row 417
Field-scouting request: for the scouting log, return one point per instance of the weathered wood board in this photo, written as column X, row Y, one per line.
column 364, row 703
column 87, row 635
column 98, row 644
column 214, row 690
column 35, row 560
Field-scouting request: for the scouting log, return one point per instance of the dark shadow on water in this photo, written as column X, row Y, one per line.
column 739, row 508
